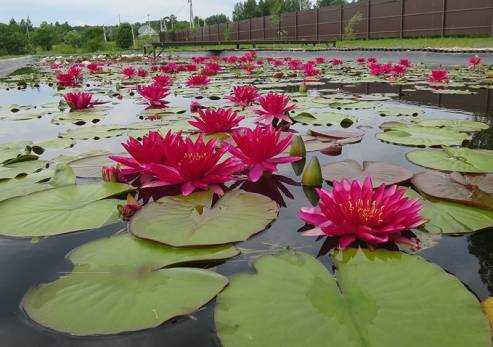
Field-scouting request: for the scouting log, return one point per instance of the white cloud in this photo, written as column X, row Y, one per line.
column 107, row 11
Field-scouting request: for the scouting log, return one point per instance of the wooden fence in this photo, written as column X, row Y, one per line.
column 378, row 19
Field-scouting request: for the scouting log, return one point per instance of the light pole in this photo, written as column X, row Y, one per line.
column 191, row 14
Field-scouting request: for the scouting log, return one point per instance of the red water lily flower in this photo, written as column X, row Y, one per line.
column 259, row 149
column 66, row 80
column 211, row 69
column 361, row 60
column 295, row 64
column 194, row 166
column 336, row 61
column 149, row 150
column 128, row 72
column 94, row 68
column 355, row 211
column 244, row 95
column 274, row 106
column 170, row 68
column 154, row 94
column 195, row 106
column 198, row 81
column 405, row 62
column 79, row 100
column 75, row 70
column 474, row 61
column 163, row 80
column 438, row 76
column 142, row 73
column 320, row 60
column 309, row 70
column 221, row 120
column 399, row 70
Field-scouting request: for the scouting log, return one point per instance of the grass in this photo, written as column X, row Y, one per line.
column 421, row 42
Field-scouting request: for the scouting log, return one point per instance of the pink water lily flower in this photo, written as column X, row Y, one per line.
column 474, row 61
column 405, row 62
column 194, row 166
column 438, row 76
column 221, row 120
column 198, row 81
column 336, row 61
column 94, row 68
column 78, row 100
column 274, row 106
column 154, row 94
column 309, row 70
column 355, row 211
column 142, row 73
column 150, row 150
column 163, row 80
column 361, row 60
column 244, row 95
column 128, row 72
column 260, row 150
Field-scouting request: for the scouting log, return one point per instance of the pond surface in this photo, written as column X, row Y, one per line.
column 25, row 263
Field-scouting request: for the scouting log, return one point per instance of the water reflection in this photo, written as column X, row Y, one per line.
column 480, row 245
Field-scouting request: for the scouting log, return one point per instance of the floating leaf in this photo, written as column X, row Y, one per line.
column 325, row 118
column 415, row 135
column 22, row 168
column 458, row 125
column 445, row 217
column 192, row 221
column 454, row 159
column 111, row 303
column 90, row 167
column 470, row 190
column 126, row 252
column 60, row 210
column 24, row 185
column 372, row 295
column 380, row 172
column 395, row 111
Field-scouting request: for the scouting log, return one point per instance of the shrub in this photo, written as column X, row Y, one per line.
column 73, row 38
column 93, row 39
column 12, row 41
column 44, row 36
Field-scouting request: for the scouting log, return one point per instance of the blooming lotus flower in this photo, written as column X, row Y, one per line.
column 142, row 73
column 149, row 150
column 355, row 211
column 309, row 70
column 221, row 120
column 244, row 95
column 79, row 100
column 163, row 80
column 438, row 76
column 128, row 72
column 154, row 94
column 198, row 81
column 405, row 62
column 94, row 68
column 274, row 106
column 194, row 166
column 474, row 61
column 259, row 150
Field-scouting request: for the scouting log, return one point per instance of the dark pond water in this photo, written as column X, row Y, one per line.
column 24, row 263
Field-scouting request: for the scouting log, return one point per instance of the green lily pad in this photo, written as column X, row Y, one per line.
column 13, row 150
column 395, row 111
column 126, row 252
column 293, row 300
column 454, row 159
column 94, row 132
column 90, row 167
column 111, row 303
column 445, row 217
column 193, row 221
column 415, row 135
column 61, row 210
column 22, row 168
column 25, row 185
column 325, row 118
column 458, row 125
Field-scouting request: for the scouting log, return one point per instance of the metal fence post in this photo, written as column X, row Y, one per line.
column 444, row 17
column 341, row 18
column 316, row 23
column 403, row 5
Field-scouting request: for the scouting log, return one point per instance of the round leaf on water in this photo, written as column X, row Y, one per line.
column 380, row 172
column 90, row 167
column 324, row 118
column 193, row 221
column 458, row 125
column 415, row 135
column 60, row 210
column 400, row 111
column 454, row 159
column 445, row 217
column 125, row 251
column 111, row 303
column 378, row 298
column 22, row 168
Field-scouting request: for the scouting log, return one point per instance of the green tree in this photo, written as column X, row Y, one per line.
column 217, row 19
column 12, row 40
column 322, row 3
column 93, row 39
column 73, row 38
column 44, row 36
column 124, row 37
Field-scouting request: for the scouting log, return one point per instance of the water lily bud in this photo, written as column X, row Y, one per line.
column 110, row 173
column 298, row 148
column 312, row 177
column 303, row 88
column 129, row 209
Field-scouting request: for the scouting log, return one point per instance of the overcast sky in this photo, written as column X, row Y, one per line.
column 78, row 12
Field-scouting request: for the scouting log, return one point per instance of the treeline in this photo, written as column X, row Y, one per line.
column 252, row 8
